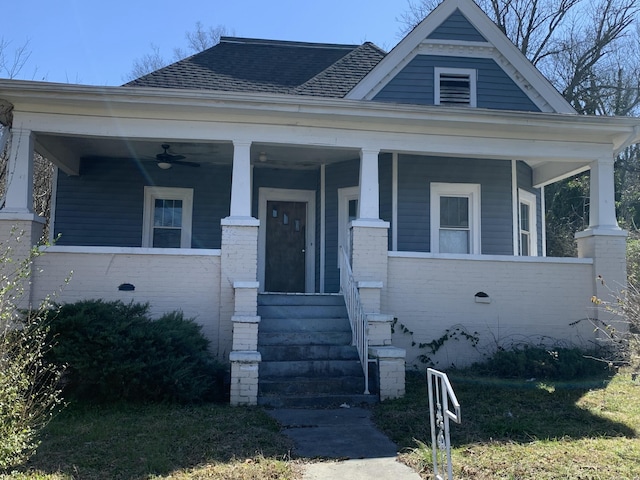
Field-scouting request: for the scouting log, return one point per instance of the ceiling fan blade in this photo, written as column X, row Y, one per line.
column 186, row 164
column 168, row 157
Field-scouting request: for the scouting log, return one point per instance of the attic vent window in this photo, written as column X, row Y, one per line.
column 455, row 87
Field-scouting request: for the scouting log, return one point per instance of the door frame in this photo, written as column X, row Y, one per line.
column 267, row 194
column 344, row 196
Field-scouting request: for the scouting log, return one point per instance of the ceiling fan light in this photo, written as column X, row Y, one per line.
column 164, row 165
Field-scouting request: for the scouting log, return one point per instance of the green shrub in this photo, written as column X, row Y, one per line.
column 541, row 363
column 115, row 351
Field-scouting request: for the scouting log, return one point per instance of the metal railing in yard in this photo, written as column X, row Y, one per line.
column 357, row 317
column 440, row 393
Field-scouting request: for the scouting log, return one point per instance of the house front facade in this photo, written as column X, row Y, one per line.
column 261, row 166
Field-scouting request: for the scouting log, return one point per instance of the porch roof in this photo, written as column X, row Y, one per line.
column 555, row 145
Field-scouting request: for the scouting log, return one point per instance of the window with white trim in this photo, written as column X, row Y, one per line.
column 455, row 218
column 455, row 87
column 527, row 223
column 167, row 217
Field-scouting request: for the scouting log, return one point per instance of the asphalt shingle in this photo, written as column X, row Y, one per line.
column 269, row 66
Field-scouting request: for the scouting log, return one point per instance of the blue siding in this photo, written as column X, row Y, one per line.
column 525, row 182
column 283, row 178
column 457, row 27
column 337, row 175
column 494, row 88
column 103, row 206
column 415, row 173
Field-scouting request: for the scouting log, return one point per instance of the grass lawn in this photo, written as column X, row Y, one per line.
column 520, row 430
column 509, row 430
column 161, row 442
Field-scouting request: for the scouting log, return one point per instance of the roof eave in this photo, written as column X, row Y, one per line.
column 143, row 102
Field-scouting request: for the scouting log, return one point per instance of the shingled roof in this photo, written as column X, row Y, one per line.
column 269, row 66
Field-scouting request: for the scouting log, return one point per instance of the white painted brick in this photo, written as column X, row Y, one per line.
column 529, row 301
column 189, row 283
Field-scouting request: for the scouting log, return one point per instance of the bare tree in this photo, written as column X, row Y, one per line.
column 198, row 40
column 11, row 63
column 576, row 44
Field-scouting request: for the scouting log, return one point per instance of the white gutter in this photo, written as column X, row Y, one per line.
column 29, row 96
column 633, row 137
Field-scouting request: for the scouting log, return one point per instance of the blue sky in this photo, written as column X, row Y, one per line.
column 96, row 42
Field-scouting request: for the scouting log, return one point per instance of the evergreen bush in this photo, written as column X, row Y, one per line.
column 116, row 352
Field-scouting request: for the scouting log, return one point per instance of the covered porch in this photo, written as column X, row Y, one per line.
column 361, row 175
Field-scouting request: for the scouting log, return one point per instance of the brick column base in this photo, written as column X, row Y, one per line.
column 390, row 371
column 608, row 249
column 244, row 377
column 19, row 232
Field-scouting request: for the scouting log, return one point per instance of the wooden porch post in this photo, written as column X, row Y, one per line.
column 602, row 208
column 19, row 178
column 241, row 180
column 369, row 185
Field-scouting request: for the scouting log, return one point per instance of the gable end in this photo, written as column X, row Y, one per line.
column 457, row 27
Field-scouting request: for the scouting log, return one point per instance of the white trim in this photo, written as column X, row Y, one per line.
column 323, row 229
column 345, row 195
column 266, row 194
column 167, row 193
column 54, row 200
column 467, row 72
column 394, row 201
column 514, row 206
column 528, row 199
column 489, row 258
column 468, row 190
column 75, row 249
column 543, row 218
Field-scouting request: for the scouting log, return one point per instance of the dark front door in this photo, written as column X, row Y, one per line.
column 285, row 246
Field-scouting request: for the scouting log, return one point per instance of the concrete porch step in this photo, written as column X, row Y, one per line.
column 300, row 299
column 316, row 401
column 311, row 368
column 310, row 386
column 304, row 338
column 275, row 353
column 268, row 324
column 302, row 311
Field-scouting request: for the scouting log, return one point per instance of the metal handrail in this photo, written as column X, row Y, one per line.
column 440, row 392
column 357, row 317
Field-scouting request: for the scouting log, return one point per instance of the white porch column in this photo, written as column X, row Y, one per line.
column 369, row 188
column 604, row 241
column 241, row 180
column 19, row 188
column 238, row 282
column 369, row 235
column 602, row 208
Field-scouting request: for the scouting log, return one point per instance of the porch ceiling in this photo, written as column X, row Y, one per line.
column 61, row 147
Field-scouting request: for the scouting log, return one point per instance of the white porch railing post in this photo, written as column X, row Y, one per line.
column 357, row 317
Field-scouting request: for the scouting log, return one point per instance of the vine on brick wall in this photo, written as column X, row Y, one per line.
column 456, row 333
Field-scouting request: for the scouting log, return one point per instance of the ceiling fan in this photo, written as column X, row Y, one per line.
column 166, row 160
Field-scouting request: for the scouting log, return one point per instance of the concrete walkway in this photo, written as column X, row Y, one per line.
column 346, row 441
